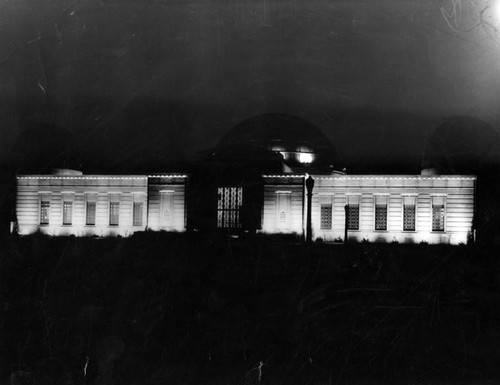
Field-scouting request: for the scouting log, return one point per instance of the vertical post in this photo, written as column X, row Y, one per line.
column 309, row 186
column 346, row 208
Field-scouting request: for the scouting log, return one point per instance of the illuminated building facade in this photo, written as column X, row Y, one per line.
column 375, row 208
column 271, row 174
column 70, row 203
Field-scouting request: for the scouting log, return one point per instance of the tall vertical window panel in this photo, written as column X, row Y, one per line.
column 137, row 211
column 352, row 202
column 325, row 212
column 44, row 209
column 409, row 213
column 67, row 210
column 438, row 213
column 90, row 210
column 381, row 212
column 114, row 212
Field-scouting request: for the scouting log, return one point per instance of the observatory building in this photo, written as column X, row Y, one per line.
column 272, row 173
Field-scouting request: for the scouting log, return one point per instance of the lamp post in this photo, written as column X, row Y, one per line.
column 309, row 187
column 346, row 208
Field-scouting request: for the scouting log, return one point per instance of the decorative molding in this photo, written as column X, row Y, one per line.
column 99, row 177
column 284, row 176
column 167, row 176
column 395, row 178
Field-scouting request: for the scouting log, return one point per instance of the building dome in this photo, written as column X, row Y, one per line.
column 462, row 145
column 300, row 143
column 44, row 146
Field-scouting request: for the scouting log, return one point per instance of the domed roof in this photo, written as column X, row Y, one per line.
column 296, row 139
column 463, row 145
column 44, row 146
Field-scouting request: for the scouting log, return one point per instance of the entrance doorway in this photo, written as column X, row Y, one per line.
column 229, row 202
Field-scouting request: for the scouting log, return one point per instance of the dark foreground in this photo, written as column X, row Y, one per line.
column 165, row 309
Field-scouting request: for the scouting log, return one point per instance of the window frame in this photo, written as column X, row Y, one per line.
column 92, row 198
column 137, row 221
column 44, row 198
column 66, row 202
column 329, row 206
column 114, row 203
column 443, row 230
column 94, row 203
column 325, row 200
column 386, row 206
column 358, row 211
column 415, row 206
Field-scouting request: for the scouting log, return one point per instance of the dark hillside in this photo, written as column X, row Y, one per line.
column 165, row 308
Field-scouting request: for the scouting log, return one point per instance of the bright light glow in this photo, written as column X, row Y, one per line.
column 305, row 157
column 496, row 10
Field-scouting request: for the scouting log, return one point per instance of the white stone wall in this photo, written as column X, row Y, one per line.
column 32, row 189
column 457, row 193
column 167, row 203
column 283, row 194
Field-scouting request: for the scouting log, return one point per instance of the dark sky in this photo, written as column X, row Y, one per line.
column 129, row 77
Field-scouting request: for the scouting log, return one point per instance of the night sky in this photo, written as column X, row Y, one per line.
column 141, row 80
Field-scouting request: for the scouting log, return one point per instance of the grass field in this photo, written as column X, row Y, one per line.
column 169, row 308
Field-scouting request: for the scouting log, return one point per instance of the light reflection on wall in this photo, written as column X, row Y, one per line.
column 269, row 226
column 276, row 204
column 301, row 154
column 78, row 231
column 305, row 157
column 496, row 11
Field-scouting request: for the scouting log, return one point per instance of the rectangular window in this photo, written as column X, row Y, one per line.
column 67, row 212
column 90, row 214
column 137, row 216
column 409, row 213
column 380, row 212
column 114, row 213
column 326, row 216
column 353, row 212
column 44, row 212
column 438, row 213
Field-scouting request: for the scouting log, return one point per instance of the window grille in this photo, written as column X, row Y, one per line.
column 353, row 217
column 137, row 215
column 380, row 213
column 44, row 212
column 353, row 212
column 90, row 214
column 230, row 200
column 67, row 212
column 326, row 217
column 409, row 213
column 380, row 217
column 114, row 213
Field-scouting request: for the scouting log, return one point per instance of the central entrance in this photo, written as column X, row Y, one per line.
column 229, row 202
